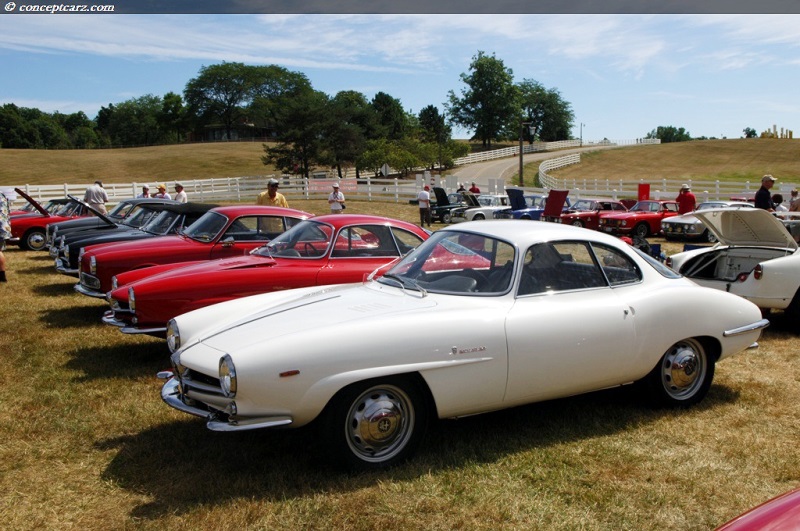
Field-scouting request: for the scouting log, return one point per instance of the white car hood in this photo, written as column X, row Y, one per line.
column 747, row 227
column 325, row 309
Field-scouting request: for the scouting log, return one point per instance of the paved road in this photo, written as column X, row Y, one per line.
column 481, row 172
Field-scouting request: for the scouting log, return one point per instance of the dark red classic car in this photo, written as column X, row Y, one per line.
column 642, row 220
column 330, row 249
column 220, row 233
column 29, row 230
column 587, row 212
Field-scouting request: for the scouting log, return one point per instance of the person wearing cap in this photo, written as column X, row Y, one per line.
column 180, row 195
column 162, row 192
column 763, row 196
column 424, row 200
column 145, row 192
column 96, row 196
column 336, row 200
column 686, row 199
column 271, row 196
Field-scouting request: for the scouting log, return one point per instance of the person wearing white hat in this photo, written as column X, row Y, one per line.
column 686, row 199
column 271, row 196
column 336, row 200
column 180, row 195
column 145, row 192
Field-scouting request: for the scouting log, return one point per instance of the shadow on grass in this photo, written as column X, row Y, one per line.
column 55, row 289
column 73, row 316
column 38, row 270
column 181, row 465
column 127, row 361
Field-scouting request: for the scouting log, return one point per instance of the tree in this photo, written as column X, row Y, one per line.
column 350, row 122
column 669, row 134
column 749, row 132
column 550, row 116
column 391, row 117
column 300, row 122
column 489, row 102
column 222, row 92
column 172, row 118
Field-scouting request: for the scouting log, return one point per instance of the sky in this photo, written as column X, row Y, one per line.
column 623, row 74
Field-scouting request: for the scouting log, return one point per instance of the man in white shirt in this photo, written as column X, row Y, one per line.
column 336, row 200
column 180, row 195
column 424, row 200
column 96, row 196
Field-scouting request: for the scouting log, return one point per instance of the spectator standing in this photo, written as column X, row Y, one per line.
column 461, row 188
column 145, row 192
column 271, row 196
column 5, row 233
column 686, row 199
column 162, row 192
column 763, row 196
column 794, row 206
column 474, row 189
column 180, row 195
column 336, row 200
column 96, row 196
column 424, row 200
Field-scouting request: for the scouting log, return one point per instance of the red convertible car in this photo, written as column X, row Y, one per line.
column 587, row 212
column 642, row 220
column 220, row 233
column 29, row 230
column 330, row 249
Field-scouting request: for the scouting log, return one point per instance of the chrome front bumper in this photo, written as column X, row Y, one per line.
column 171, row 394
column 83, row 290
column 127, row 328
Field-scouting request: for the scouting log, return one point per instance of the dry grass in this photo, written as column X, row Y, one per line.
column 88, row 444
column 706, row 160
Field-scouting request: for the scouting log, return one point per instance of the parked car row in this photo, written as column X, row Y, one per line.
column 370, row 328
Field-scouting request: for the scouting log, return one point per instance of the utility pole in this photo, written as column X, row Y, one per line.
column 521, row 133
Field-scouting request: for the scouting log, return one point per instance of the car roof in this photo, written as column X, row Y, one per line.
column 186, row 208
column 340, row 220
column 239, row 210
column 526, row 232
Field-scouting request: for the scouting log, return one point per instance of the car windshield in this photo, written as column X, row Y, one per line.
column 140, row 216
column 162, row 223
column 307, row 239
column 584, row 205
column 455, row 262
column 486, row 200
column 70, row 209
column 121, row 210
column 207, row 227
column 645, row 206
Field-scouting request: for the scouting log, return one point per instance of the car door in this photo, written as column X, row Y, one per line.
column 246, row 233
column 571, row 332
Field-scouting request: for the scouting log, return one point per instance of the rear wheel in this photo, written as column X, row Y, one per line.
column 641, row 230
column 34, row 240
column 446, row 217
column 478, row 217
column 683, row 376
column 376, row 423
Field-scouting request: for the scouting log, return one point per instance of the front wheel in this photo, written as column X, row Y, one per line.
column 641, row 230
column 34, row 240
column 375, row 424
column 709, row 236
column 577, row 223
column 683, row 376
column 478, row 217
column 446, row 217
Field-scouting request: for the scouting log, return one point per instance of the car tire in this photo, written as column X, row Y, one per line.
column 792, row 311
column 375, row 424
column 709, row 237
column 642, row 230
column 682, row 377
column 578, row 223
column 478, row 217
column 34, row 240
column 446, row 218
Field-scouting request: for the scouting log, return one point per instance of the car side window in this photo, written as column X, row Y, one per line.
column 365, row 242
column 617, row 267
column 406, row 241
column 249, row 228
column 559, row 266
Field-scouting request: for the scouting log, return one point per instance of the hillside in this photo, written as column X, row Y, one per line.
column 723, row 160
column 739, row 159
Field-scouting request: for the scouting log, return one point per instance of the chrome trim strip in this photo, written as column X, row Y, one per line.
column 127, row 329
column 758, row 325
column 247, row 424
column 86, row 291
column 171, row 395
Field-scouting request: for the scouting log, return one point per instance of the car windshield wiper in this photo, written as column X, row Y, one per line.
column 405, row 281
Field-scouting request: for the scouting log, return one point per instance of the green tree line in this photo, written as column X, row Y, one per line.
column 308, row 128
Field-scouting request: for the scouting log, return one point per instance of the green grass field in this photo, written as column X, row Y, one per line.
column 88, row 444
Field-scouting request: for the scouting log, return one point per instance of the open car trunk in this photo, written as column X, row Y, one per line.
column 726, row 264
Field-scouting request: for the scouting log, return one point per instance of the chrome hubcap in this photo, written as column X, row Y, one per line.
column 380, row 423
column 683, row 370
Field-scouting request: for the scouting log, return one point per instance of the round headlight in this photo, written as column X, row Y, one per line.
column 173, row 336
column 93, row 265
column 227, row 376
column 131, row 300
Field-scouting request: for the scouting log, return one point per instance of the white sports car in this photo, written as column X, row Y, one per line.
column 480, row 317
column 756, row 258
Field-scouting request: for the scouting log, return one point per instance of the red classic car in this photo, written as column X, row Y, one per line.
column 642, row 220
column 29, row 230
column 587, row 212
column 220, row 233
column 330, row 249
